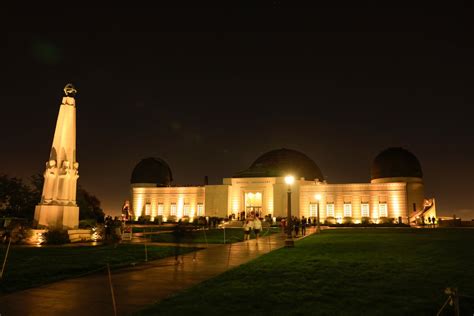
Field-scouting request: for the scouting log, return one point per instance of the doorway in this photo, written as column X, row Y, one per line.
column 253, row 204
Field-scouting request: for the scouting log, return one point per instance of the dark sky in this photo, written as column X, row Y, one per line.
column 210, row 90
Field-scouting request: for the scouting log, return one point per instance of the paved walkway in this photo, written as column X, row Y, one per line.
column 135, row 288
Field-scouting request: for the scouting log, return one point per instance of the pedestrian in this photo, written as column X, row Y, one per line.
column 296, row 223
column 257, row 227
column 303, row 226
column 178, row 233
column 108, row 228
column 247, row 228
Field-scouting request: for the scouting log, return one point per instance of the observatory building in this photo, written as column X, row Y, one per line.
column 395, row 192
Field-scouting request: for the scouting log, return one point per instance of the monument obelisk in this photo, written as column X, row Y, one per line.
column 58, row 208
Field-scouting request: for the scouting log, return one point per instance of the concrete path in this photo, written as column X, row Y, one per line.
column 135, row 288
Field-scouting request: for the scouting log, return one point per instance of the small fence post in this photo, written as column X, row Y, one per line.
column 146, row 249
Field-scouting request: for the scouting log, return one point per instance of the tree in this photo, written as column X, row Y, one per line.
column 19, row 199
column 89, row 205
column 16, row 198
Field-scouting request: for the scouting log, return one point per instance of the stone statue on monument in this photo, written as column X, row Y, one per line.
column 69, row 90
column 126, row 214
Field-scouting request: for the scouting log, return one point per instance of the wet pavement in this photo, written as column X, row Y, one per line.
column 135, row 288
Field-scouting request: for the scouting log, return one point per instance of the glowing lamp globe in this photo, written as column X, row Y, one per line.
column 289, row 179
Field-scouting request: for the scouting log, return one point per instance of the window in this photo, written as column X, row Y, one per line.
column 147, row 209
column 200, row 209
column 383, row 212
column 186, row 209
column 161, row 209
column 347, row 210
column 313, row 210
column 364, row 210
column 330, row 210
column 173, row 209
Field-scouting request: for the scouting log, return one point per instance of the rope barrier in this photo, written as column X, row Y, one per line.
column 5, row 260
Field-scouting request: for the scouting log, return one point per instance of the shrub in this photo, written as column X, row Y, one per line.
column 365, row 220
column 56, row 237
column 201, row 221
column 386, row 220
column 347, row 220
column 330, row 221
column 158, row 219
column 88, row 223
column 172, row 219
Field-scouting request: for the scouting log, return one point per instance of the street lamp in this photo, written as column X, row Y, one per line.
column 318, row 198
column 289, row 239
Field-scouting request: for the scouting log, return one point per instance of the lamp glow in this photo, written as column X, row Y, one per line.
column 289, row 179
column 317, row 197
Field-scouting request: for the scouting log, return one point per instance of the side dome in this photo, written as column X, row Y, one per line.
column 396, row 162
column 281, row 162
column 153, row 171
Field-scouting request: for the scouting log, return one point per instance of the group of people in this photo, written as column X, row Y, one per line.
column 113, row 229
column 296, row 224
column 431, row 221
column 254, row 224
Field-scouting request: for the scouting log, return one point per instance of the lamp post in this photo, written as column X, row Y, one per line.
column 318, row 198
column 289, row 239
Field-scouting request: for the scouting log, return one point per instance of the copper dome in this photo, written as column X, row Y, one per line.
column 396, row 162
column 282, row 162
column 152, row 170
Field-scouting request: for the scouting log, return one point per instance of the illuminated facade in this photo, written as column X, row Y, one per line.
column 396, row 191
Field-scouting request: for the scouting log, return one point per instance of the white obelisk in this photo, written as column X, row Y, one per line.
column 58, row 208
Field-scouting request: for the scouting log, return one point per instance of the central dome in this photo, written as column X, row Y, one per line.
column 282, row 162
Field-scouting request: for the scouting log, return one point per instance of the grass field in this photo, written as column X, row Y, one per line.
column 30, row 266
column 150, row 228
column 212, row 236
column 342, row 272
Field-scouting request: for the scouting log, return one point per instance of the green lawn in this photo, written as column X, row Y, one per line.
column 212, row 236
column 29, row 267
column 150, row 228
column 342, row 272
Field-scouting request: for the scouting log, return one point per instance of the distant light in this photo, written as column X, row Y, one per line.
column 317, row 197
column 289, row 179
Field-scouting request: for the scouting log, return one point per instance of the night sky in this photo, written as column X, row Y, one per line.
column 210, row 90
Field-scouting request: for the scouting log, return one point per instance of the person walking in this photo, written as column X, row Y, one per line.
column 247, row 228
column 257, row 227
column 296, row 223
column 303, row 226
column 178, row 233
column 283, row 225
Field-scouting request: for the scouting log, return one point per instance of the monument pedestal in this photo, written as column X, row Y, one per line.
column 57, row 216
